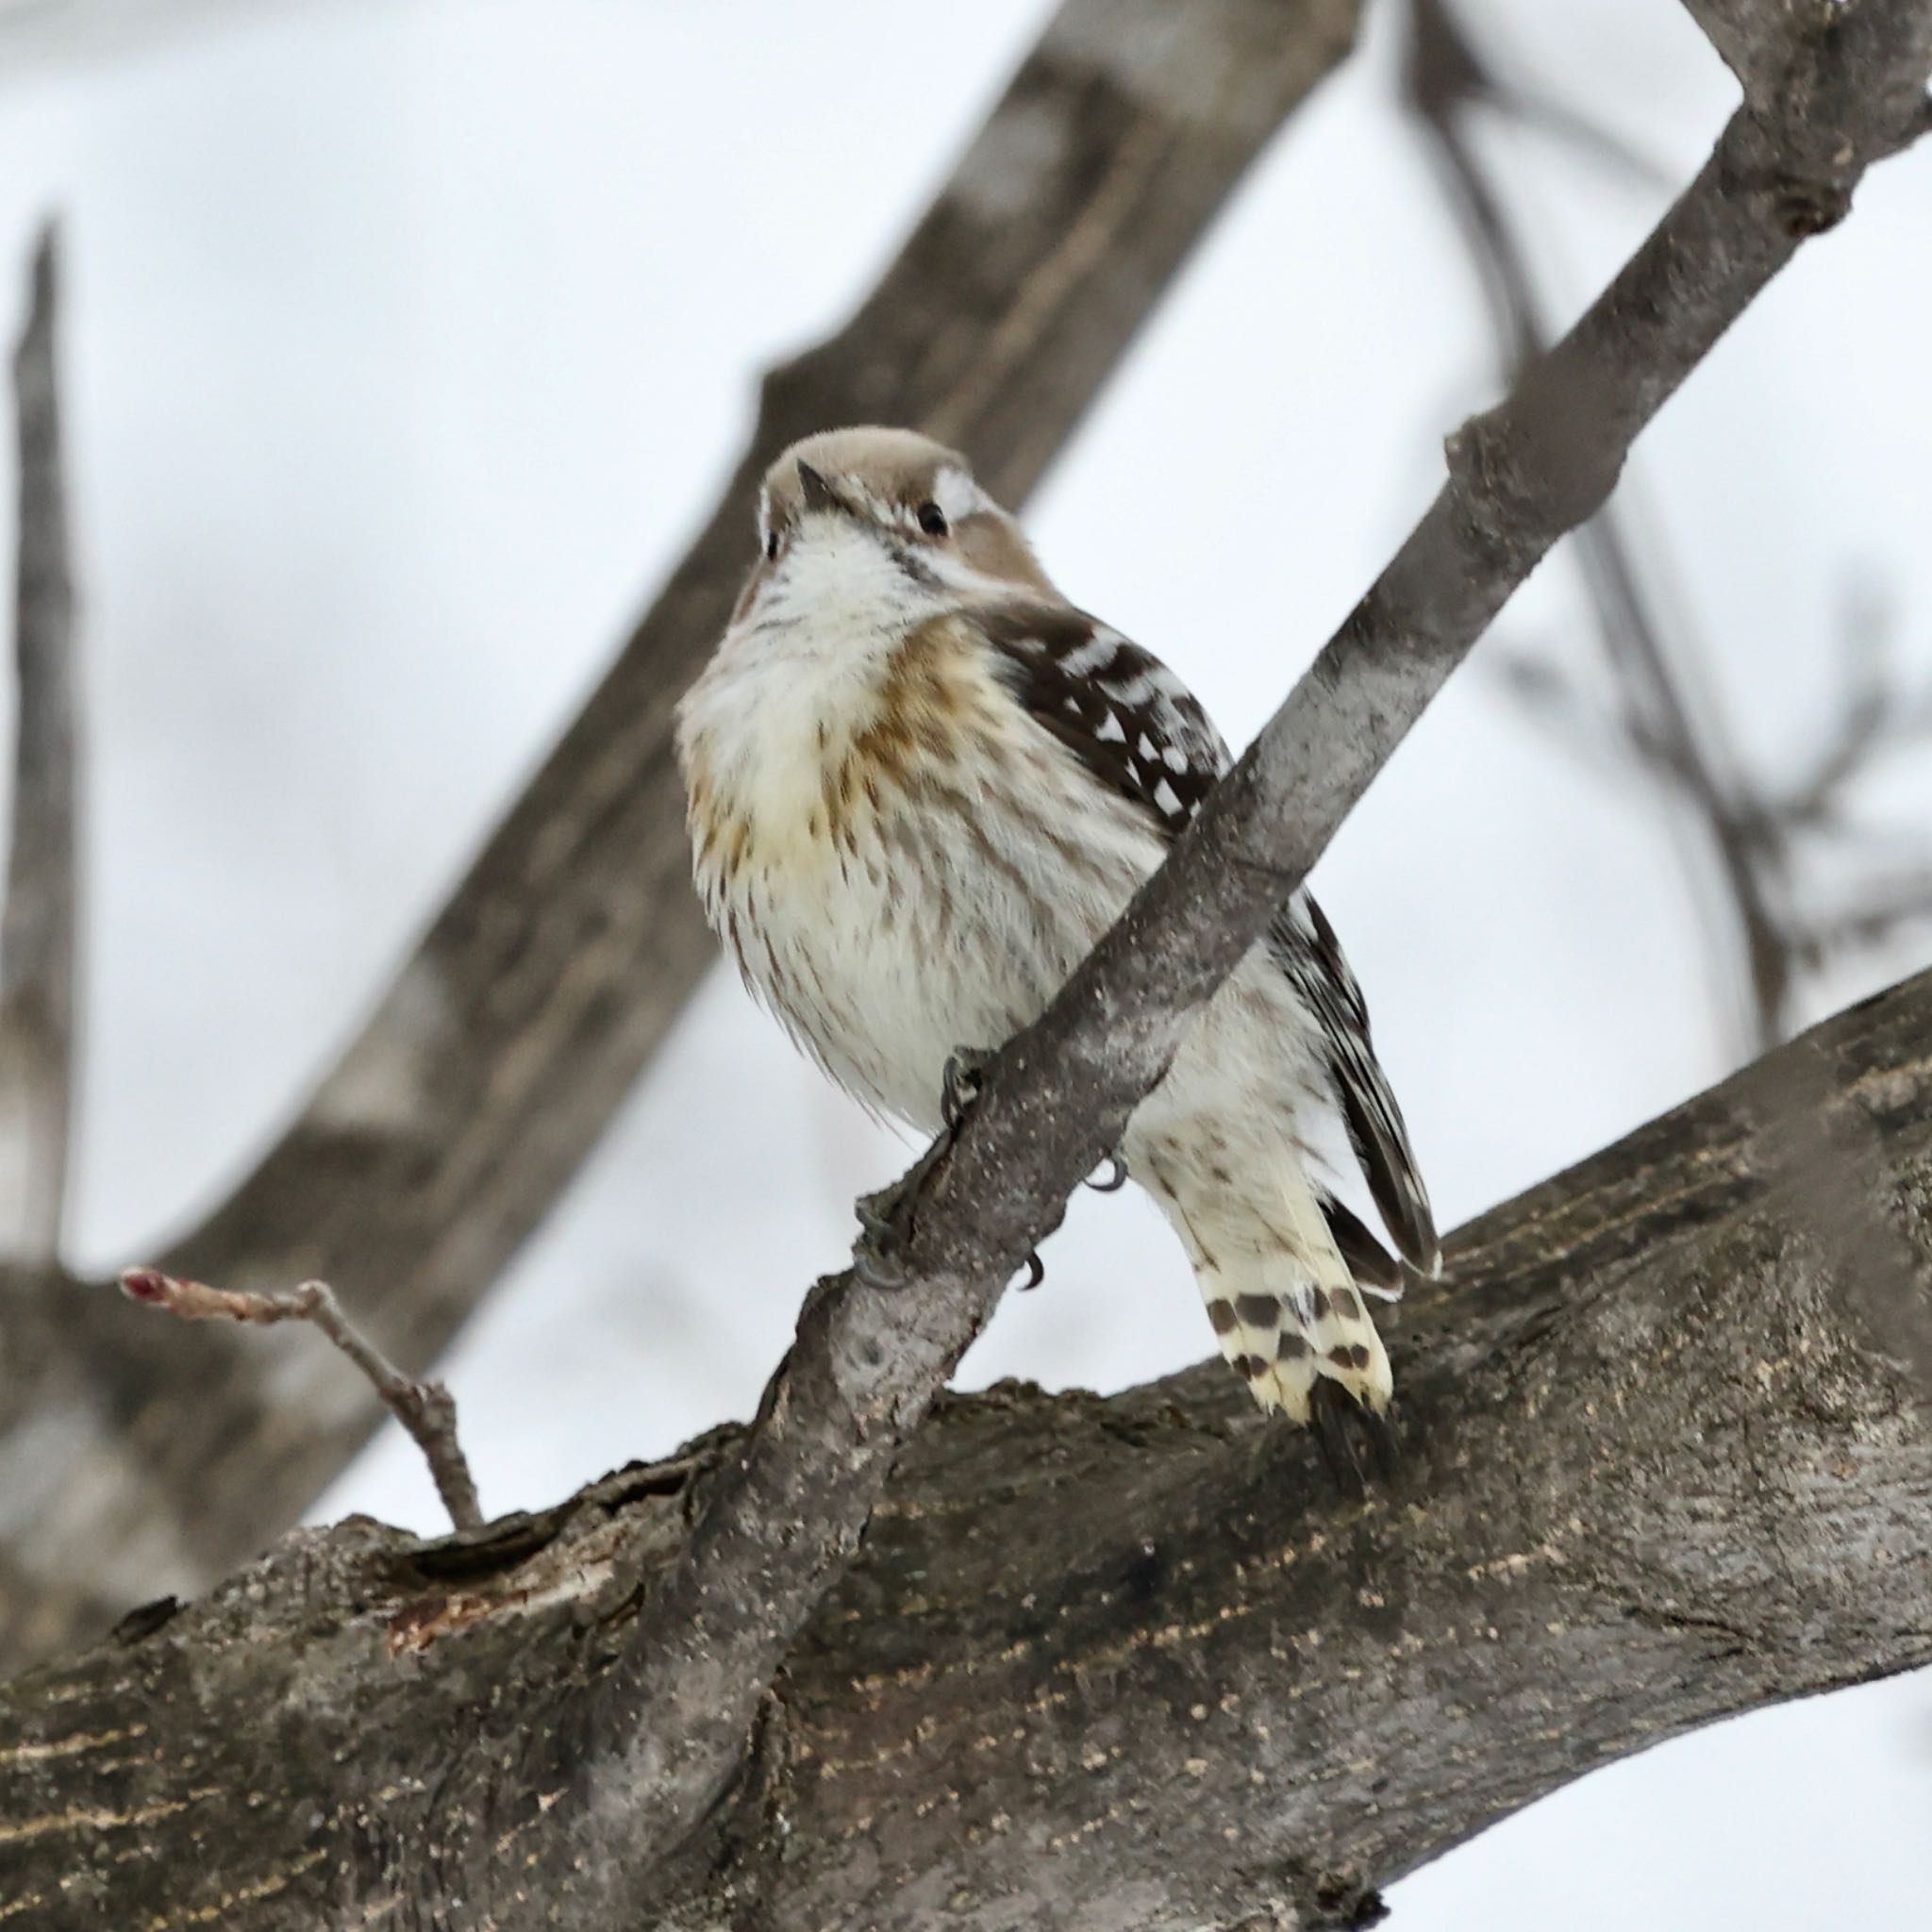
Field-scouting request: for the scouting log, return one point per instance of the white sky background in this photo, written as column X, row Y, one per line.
column 407, row 339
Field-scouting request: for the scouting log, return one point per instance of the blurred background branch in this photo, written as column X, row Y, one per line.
column 1668, row 726
column 37, row 963
column 61, row 29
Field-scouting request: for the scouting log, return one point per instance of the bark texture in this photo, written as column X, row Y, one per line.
column 509, row 1038
column 1101, row 1664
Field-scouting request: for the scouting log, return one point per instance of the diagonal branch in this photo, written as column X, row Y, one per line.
column 668, row 1725
column 36, row 927
column 455, row 1120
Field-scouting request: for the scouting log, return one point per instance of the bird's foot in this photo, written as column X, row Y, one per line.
column 1343, row 1427
column 884, row 1222
column 884, row 1219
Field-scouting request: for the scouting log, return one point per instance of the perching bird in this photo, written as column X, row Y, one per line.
column 922, row 785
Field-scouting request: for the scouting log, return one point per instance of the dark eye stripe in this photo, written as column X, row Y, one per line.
column 915, row 567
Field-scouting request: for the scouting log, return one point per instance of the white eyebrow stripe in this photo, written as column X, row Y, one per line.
column 956, row 495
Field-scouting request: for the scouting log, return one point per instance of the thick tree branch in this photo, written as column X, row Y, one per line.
column 788, row 1513
column 36, row 927
column 1101, row 1665
column 455, row 1120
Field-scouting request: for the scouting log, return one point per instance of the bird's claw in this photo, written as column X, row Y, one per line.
column 959, row 1084
column 1341, row 1425
column 878, row 1255
column 884, row 1219
column 1116, row 1179
column 885, row 1223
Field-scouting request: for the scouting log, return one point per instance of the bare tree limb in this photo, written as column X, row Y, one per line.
column 785, row 1515
column 452, row 1121
column 427, row 1410
column 36, row 927
column 1100, row 1666
column 63, row 30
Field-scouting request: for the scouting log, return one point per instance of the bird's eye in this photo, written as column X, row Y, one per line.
column 932, row 520
column 771, row 547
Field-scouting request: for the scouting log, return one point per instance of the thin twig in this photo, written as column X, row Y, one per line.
column 1878, row 714
column 1870, row 919
column 37, row 943
column 426, row 1409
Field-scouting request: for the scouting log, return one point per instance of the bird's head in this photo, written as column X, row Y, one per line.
column 886, row 500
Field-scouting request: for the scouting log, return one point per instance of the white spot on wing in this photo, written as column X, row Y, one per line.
column 1109, row 730
column 1167, row 799
column 1083, row 660
column 1139, row 689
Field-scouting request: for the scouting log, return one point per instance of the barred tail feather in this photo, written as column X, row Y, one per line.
column 1282, row 1340
column 1282, row 1301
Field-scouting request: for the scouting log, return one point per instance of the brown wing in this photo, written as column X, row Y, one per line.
column 1304, row 947
column 1118, row 708
column 1142, row 732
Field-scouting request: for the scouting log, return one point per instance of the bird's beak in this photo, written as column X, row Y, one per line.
column 819, row 494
